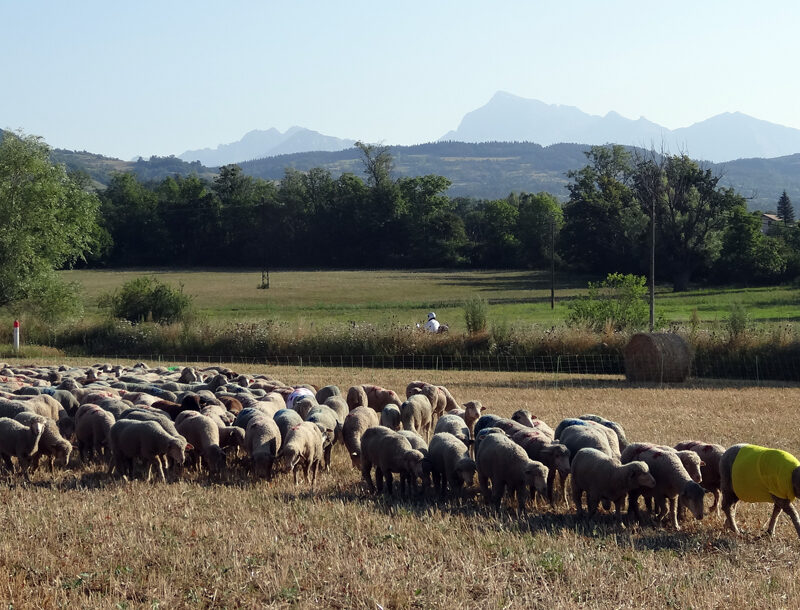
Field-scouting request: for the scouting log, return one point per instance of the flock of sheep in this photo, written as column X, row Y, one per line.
column 166, row 419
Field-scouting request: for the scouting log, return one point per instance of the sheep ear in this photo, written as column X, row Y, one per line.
column 189, row 446
column 483, row 409
column 702, row 463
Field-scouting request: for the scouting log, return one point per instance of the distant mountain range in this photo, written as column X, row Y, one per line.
column 257, row 144
column 728, row 136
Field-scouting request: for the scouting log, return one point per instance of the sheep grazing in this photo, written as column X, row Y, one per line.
column 327, row 392
column 577, row 436
column 455, row 425
column 505, row 465
column 51, row 443
column 603, row 478
column 20, row 441
column 92, row 427
column 286, row 419
column 303, row 405
column 390, row 417
column 758, row 474
column 611, row 425
column 262, row 442
column 470, row 413
column 303, row 449
column 233, row 405
column 356, row 423
column 710, row 454
column 416, row 415
column 357, row 397
column 325, row 418
column 389, row 452
column 551, row 453
column 493, row 421
column 673, row 483
column 524, row 417
column 201, row 432
column 146, row 440
column 451, row 465
column 339, row 406
column 378, row 397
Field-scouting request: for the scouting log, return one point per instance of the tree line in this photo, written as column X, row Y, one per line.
column 52, row 218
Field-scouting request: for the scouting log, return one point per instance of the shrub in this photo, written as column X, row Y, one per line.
column 737, row 323
column 475, row 314
column 618, row 301
column 146, row 299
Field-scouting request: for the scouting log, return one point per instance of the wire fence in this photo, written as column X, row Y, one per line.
column 557, row 368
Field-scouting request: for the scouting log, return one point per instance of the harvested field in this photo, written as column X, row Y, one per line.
column 78, row 538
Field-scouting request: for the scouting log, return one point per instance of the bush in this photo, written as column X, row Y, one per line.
column 146, row 299
column 737, row 323
column 618, row 301
column 475, row 314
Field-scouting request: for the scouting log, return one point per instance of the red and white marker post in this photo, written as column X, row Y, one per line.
column 16, row 335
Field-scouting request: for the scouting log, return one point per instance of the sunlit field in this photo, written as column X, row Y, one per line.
column 405, row 297
column 77, row 538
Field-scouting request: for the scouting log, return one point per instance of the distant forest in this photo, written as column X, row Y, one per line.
column 365, row 216
column 482, row 171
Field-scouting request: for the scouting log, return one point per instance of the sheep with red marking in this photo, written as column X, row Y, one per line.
column 672, row 483
column 551, row 453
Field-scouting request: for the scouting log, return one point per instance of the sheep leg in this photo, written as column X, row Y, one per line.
column 378, row 479
column 715, row 506
column 592, row 500
column 792, row 512
column 522, row 499
column 159, row 469
column 498, row 489
column 633, row 506
column 577, row 499
column 366, row 474
column 776, row 510
column 483, row 482
column 672, row 513
column 389, row 482
column 327, row 455
column 729, row 501
column 551, row 479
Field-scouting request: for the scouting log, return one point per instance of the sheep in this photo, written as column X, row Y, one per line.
column 389, row 452
column 390, row 417
column 325, row 418
column 482, row 434
column 417, row 442
column 286, row 419
column 20, row 441
column 435, row 395
column 221, row 416
column 262, row 441
column 114, row 406
column 303, row 405
column 470, row 413
column 92, row 427
column 131, row 439
column 303, row 447
column 455, row 425
column 378, row 397
column 190, row 402
column 51, row 443
column 161, row 418
column 355, row 424
column 339, row 405
column 416, row 415
column 232, row 404
column 603, row 478
column 758, row 474
column 451, row 465
column 588, row 434
column 357, row 397
column 672, row 483
column 327, row 392
column 710, row 454
column 524, row 417
column 493, row 421
column 618, row 430
column 504, row 464
column 201, row 432
column 554, row 455
column 298, row 393
column 232, row 437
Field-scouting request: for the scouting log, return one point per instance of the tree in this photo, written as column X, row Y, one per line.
column 604, row 224
column 785, row 209
column 747, row 254
column 691, row 213
column 539, row 221
column 48, row 220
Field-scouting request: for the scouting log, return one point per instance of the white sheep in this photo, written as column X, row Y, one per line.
column 451, row 465
column 303, row 448
column 20, row 441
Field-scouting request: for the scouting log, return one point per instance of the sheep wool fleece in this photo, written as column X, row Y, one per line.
column 758, row 473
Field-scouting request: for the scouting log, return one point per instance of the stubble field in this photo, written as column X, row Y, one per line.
column 79, row 539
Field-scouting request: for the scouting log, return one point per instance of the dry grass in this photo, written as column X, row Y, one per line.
column 78, row 539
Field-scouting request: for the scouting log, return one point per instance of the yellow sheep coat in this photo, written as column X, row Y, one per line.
column 759, row 473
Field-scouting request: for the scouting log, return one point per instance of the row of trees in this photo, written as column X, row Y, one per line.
column 51, row 219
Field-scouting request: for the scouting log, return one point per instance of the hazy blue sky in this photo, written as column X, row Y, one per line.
column 131, row 78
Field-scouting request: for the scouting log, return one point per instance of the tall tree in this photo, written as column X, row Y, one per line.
column 48, row 219
column 603, row 221
column 538, row 224
column 785, row 209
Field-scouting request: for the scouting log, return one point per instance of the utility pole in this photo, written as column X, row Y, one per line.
column 652, row 263
column 552, row 261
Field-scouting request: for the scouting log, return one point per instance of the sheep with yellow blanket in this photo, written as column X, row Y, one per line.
column 757, row 474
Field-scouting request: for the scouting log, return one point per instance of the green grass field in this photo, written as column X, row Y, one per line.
column 305, row 297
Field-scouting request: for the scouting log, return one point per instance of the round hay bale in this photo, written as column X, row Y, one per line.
column 658, row 357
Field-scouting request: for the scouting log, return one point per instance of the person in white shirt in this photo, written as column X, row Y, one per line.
column 432, row 325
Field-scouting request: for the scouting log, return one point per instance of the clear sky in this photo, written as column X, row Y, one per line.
column 128, row 78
